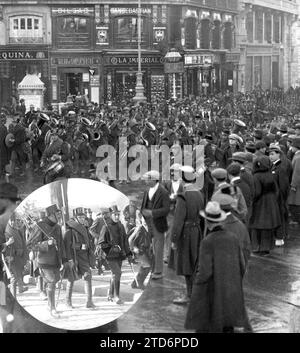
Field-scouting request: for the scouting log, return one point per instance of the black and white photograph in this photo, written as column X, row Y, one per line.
column 150, row 168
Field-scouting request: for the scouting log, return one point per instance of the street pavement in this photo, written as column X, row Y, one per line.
column 271, row 285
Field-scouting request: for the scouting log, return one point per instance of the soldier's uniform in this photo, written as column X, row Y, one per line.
column 47, row 240
column 80, row 254
column 114, row 243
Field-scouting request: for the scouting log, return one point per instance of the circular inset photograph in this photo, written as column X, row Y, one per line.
column 78, row 254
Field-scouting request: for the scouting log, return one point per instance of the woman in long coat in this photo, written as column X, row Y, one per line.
column 186, row 234
column 265, row 218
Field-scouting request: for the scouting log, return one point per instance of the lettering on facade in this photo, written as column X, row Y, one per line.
column 75, row 61
column 198, row 59
column 22, row 55
column 116, row 11
column 73, row 11
column 123, row 60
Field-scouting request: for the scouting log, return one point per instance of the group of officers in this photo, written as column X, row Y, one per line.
column 58, row 252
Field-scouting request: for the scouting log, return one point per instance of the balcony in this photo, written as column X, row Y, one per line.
column 289, row 6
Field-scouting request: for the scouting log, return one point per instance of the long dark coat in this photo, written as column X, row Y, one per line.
column 265, row 211
column 294, row 197
column 3, row 150
column 234, row 225
column 186, row 232
column 217, row 298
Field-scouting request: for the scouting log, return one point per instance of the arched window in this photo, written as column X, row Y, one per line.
column 191, row 33
column 205, row 33
column 216, row 37
column 228, row 35
column 26, row 29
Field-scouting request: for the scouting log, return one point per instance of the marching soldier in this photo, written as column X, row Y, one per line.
column 114, row 243
column 47, row 240
column 80, row 254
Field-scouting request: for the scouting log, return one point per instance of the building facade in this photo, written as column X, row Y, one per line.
column 90, row 47
column 268, row 51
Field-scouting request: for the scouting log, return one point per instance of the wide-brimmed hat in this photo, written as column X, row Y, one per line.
column 224, row 200
column 9, row 191
column 213, row 212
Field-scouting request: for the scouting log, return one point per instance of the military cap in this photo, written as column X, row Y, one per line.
column 219, row 173
column 297, row 126
column 52, row 210
column 239, row 156
column 283, row 128
column 152, row 174
column 114, row 209
column 291, row 138
column 269, row 138
column 296, row 142
column 79, row 211
column 250, row 146
column 234, row 169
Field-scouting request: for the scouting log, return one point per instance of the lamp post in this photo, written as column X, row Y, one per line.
column 139, row 88
column 173, row 56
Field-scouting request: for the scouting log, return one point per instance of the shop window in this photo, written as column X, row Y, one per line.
column 190, row 33
column 26, row 29
column 125, row 32
column 73, row 31
column 216, row 37
column 205, row 34
column 228, row 35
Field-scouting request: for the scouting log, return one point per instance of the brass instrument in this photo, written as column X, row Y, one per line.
column 147, row 133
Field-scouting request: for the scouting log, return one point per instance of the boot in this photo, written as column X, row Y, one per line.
column 88, row 290
column 41, row 288
column 69, row 291
column 51, row 303
column 117, row 295
column 110, row 293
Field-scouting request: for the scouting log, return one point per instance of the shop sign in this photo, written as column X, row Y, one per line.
column 23, row 55
column 129, row 60
column 83, row 11
column 117, row 11
column 198, row 59
column 70, row 61
column 174, row 68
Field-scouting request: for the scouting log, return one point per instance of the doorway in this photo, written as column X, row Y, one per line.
column 74, row 83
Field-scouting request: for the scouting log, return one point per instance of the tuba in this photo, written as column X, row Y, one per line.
column 148, row 134
column 239, row 127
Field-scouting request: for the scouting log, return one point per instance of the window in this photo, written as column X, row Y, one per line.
column 249, row 26
column 190, row 33
column 259, row 26
column 26, row 29
column 73, row 31
column 126, row 31
column 204, row 34
column 216, row 37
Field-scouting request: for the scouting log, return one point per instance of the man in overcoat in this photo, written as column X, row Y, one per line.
column 294, row 196
column 217, row 302
column 155, row 208
column 186, row 231
column 80, row 255
column 47, row 240
column 4, row 159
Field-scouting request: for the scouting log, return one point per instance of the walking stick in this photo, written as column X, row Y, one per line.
column 132, row 269
column 59, row 289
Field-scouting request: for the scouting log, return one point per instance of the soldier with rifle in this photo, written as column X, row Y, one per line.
column 80, row 254
column 47, row 241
